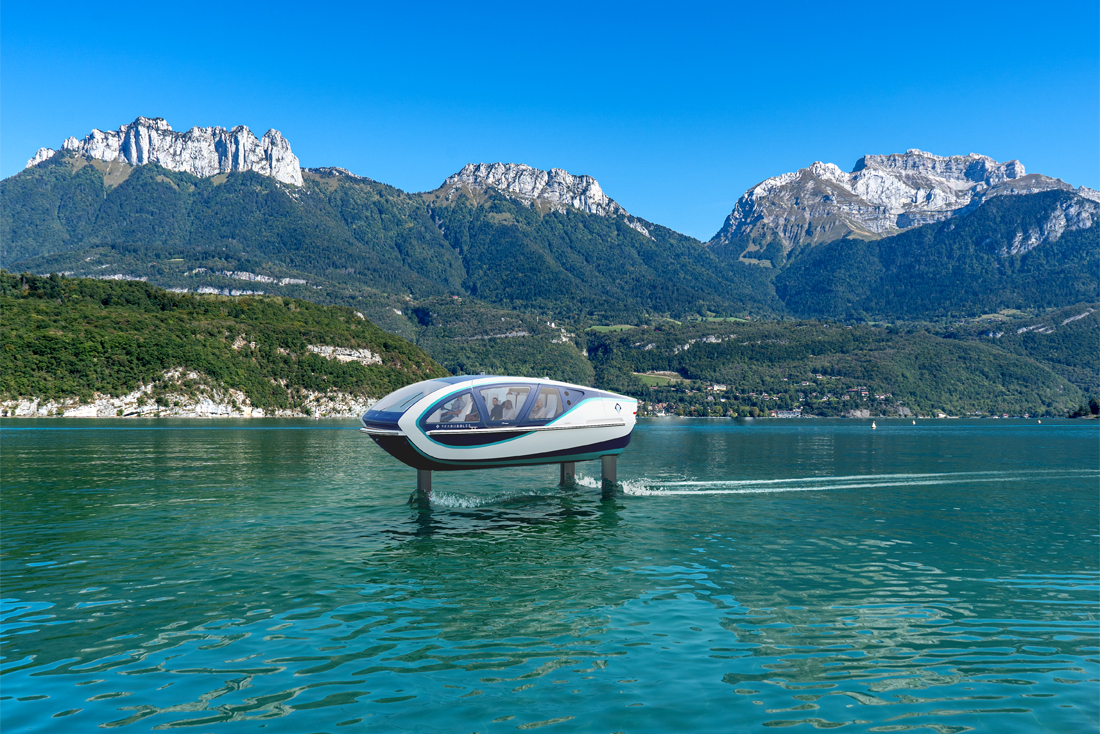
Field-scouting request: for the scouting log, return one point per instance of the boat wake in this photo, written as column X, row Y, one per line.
column 646, row 487
column 665, row 487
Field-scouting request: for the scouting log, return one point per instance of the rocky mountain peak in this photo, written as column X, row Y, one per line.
column 156, row 123
column 336, row 172
column 201, row 151
column 882, row 195
column 556, row 187
column 964, row 169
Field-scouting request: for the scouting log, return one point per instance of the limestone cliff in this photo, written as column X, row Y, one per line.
column 882, row 195
column 555, row 188
column 201, row 151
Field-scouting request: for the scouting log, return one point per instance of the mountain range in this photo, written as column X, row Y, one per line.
column 902, row 236
column 882, row 196
column 505, row 268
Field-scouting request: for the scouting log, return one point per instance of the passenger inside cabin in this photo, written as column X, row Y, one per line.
column 452, row 412
column 549, row 402
column 509, row 412
column 496, row 410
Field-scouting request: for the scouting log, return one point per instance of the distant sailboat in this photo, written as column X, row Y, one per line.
column 873, row 426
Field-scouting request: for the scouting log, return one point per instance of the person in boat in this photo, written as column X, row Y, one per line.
column 538, row 413
column 473, row 416
column 509, row 413
column 496, row 411
column 452, row 412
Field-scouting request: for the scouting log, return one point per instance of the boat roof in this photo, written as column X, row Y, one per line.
column 483, row 379
column 452, row 380
column 457, row 379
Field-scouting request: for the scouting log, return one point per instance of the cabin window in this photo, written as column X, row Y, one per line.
column 403, row 399
column 457, row 411
column 504, row 403
column 548, row 406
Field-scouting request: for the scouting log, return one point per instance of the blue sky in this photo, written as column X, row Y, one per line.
column 676, row 111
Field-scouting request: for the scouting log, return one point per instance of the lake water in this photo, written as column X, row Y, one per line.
column 239, row 576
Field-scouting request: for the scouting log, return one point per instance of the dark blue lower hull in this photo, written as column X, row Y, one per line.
column 402, row 449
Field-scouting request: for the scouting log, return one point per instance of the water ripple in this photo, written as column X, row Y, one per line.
column 279, row 578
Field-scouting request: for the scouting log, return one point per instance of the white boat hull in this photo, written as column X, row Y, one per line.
column 598, row 424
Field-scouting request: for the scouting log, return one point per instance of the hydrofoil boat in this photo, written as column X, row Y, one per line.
column 455, row 423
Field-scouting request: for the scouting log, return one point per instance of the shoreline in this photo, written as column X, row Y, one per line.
column 190, row 416
column 210, row 402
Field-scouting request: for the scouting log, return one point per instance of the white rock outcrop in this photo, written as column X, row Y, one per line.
column 555, row 188
column 337, row 172
column 42, row 155
column 344, row 354
column 245, row 275
column 204, row 399
column 1077, row 213
column 882, row 195
column 201, row 151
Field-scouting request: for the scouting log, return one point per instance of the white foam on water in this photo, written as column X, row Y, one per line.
column 658, row 488
column 650, row 487
column 640, row 489
column 456, row 500
column 862, row 478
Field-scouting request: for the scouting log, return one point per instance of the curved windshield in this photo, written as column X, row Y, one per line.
column 403, row 399
column 457, row 411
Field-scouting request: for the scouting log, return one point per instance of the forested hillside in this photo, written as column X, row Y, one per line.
column 471, row 338
column 75, row 338
column 346, row 239
column 70, row 337
column 330, row 238
column 973, row 264
column 1067, row 340
column 583, row 267
column 826, row 369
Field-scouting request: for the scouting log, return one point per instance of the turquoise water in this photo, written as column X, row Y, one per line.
column 238, row 576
